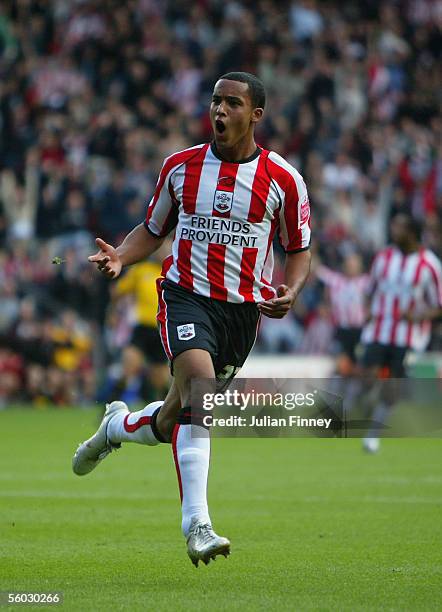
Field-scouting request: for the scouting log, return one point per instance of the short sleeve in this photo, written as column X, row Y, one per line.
column 375, row 272
column 162, row 212
column 294, row 216
column 434, row 280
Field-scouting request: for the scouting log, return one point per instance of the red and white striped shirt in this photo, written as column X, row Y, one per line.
column 403, row 283
column 347, row 296
column 225, row 216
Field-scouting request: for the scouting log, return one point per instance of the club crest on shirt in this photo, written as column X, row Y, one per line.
column 186, row 332
column 222, row 201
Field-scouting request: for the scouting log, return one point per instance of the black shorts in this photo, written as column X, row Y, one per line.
column 348, row 338
column 190, row 321
column 385, row 356
column 148, row 341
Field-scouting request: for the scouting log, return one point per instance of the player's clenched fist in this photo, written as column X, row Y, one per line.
column 107, row 259
column 280, row 306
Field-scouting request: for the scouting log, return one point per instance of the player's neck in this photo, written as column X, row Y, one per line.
column 409, row 248
column 240, row 152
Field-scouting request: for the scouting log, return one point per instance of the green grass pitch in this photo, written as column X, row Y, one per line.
column 315, row 524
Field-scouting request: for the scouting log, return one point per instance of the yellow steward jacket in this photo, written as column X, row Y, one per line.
column 140, row 281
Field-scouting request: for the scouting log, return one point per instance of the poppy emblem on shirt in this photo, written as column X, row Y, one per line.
column 223, row 201
column 227, row 181
column 304, row 215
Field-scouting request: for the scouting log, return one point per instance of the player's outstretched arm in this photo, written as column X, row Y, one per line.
column 297, row 268
column 137, row 245
column 429, row 314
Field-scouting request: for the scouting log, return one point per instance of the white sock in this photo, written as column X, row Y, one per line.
column 192, row 457
column 134, row 427
column 379, row 416
column 351, row 392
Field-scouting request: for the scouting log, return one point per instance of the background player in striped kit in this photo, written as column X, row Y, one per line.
column 225, row 201
column 347, row 292
column 406, row 295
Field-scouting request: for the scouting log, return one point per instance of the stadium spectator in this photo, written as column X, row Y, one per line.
column 128, row 381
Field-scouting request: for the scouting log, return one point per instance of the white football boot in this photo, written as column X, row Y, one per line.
column 91, row 452
column 371, row 445
column 204, row 544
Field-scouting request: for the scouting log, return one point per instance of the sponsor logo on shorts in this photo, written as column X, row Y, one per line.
column 186, row 332
column 222, row 202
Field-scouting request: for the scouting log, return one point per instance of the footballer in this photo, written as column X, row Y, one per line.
column 224, row 201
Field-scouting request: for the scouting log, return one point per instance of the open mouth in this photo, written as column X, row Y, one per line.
column 219, row 125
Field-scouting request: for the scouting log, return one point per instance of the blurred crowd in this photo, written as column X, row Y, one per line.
column 95, row 93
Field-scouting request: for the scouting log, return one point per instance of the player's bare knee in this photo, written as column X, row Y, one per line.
column 193, row 363
column 194, row 374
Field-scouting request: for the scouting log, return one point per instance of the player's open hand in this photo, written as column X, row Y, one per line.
column 107, row 259
column 278, row 307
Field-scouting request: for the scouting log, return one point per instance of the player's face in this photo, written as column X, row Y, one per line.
column 399, row 230
column 231, row 112
column 353, row 265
